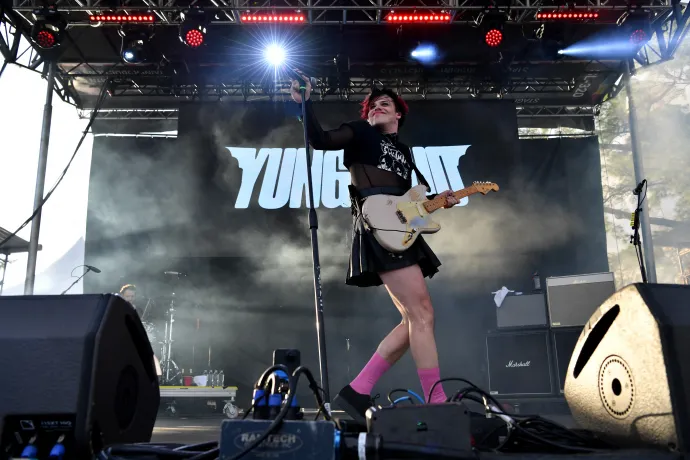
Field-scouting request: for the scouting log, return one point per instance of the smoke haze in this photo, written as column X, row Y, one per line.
column 158, row 205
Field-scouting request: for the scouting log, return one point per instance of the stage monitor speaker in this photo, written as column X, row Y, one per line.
column 629, row 377
column 564, row 340
column 519, row 363
column 77, row 372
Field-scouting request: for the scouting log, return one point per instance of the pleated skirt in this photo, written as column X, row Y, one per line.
column 368, row 258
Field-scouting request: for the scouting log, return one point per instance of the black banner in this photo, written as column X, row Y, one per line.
column 225, row 203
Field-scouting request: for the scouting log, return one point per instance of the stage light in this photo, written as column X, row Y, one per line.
column 426, row 54
column 272, row 18
column 134, row 48
column 418, row 18
column 638, row 37
column 567, row 16
column 193, row 28
column 274, row 55
column 119, row 18
column 493, row 37
column 638, row 28
column 48, row 28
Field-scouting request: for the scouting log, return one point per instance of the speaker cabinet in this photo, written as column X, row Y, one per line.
column 629, row 377
column 573, row 299
column 77, row 371
column 564, row 340
column 519, row 363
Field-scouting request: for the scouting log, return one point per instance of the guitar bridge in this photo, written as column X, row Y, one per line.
column 401, row 217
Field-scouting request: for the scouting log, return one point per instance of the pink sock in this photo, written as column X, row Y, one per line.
column 428, row 377
column 372, row 372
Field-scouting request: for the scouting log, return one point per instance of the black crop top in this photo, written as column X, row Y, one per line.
column 374, row 159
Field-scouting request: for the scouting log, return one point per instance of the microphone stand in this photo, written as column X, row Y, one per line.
column 88, row 269
column 635, row 238
column 318, row 292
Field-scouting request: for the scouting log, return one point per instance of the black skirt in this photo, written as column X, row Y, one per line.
column 368, row 258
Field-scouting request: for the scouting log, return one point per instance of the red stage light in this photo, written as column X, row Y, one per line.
column 493, row 37
column 566, row 15
column 284, row 18
column 121, row 18
column 45, row 39
column 417, row 17
column 194, row 38
column 638, row 37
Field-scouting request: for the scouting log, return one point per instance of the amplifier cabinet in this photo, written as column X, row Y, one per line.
column 573, row 299
column 564, row 340
column 519, row 363
column 522, row 311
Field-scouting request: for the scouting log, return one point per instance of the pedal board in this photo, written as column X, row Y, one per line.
column 444, row 426
column 294, row 440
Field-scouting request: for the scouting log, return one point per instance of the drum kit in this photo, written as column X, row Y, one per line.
column 168, row 371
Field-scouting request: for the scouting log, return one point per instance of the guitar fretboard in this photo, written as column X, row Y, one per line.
column 439, row 202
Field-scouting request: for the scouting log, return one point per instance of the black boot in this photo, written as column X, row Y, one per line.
column 353, row 403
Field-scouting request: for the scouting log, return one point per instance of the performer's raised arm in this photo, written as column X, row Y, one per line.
column 334, row 139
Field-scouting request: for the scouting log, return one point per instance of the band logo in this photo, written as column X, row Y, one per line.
column 285, row 178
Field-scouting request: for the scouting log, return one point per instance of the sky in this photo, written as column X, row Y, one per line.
column 63, row 222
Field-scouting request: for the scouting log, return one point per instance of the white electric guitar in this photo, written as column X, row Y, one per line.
column 397, row 221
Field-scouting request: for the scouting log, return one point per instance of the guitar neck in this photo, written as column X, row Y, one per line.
column 439, row 202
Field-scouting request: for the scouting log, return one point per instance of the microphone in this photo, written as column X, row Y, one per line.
column 175, row 273
column 638, row 189
column 92, row 268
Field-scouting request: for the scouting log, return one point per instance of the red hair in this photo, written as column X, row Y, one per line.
column 400, row 105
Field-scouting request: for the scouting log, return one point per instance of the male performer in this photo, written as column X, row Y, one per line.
column 129, row 293
column 380, row 164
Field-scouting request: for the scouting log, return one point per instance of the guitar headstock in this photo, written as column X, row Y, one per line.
column 485, row 187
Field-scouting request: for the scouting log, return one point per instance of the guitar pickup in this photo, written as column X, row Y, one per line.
column 401, row 217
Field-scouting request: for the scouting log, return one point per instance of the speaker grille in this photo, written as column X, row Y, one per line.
column 616, row 387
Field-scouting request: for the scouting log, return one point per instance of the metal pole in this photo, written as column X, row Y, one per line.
column 638, row 166
column 318, row 291
column 40, row 182
column 4, row 270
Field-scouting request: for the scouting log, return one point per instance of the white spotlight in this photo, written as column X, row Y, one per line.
column 275, row 55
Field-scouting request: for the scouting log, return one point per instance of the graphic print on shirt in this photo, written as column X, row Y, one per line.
column 393, row 160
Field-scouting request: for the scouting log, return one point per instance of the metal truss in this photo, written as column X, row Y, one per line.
column 130, row 114
column 669, row 28
column 16, row 48
column 172, row 114
column 229, row 12
column 465, row 86
column 556, row 111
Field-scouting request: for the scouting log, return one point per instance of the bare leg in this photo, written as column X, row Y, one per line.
column 395, row 344
column 389, row 351
column 407, row 288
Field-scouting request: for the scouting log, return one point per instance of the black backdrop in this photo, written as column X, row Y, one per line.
column 159, row 204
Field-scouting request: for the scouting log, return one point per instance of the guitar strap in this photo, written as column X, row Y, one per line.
column 420, row 177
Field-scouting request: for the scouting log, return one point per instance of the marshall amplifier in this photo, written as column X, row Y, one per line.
column 564, row 340
column 519, row 363
column 522, row 311
column 573, row 299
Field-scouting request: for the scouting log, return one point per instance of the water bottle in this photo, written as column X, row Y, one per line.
column 215, row 378
column 181, row 377
column 208, row 377
column 221, row 379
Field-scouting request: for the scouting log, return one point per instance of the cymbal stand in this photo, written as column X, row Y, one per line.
column 167, row 342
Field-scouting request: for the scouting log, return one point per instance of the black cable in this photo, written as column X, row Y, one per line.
column 97, row 107
column 314, row 388
column 4, row 66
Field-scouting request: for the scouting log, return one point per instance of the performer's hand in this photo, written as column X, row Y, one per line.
column 450, row 199
column 294, row 88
